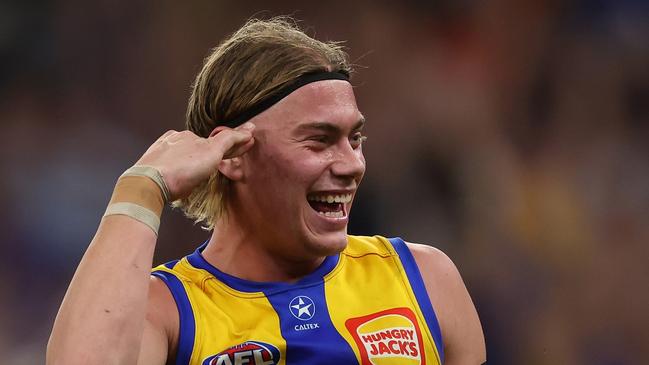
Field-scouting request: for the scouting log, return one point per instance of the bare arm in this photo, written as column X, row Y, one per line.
column 108, row 314
column 462, row 335
column 102, row 314
column 161, row 326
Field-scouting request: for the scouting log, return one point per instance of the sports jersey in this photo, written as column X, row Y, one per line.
column 366, row 305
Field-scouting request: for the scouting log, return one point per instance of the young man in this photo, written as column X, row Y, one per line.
column 271, row 162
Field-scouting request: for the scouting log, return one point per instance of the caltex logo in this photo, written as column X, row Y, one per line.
column 302, row 307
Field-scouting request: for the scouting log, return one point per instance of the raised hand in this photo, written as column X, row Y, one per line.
column 185, row 159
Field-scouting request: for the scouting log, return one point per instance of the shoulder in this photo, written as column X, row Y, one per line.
column 162, row 306
column 437, row 270
column 162, row 318
column 432, row 260
column 457, row 316
column 442, row 280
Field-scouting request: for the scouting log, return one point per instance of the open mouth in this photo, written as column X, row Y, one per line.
column 330, row 205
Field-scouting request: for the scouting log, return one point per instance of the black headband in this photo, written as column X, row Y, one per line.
column 282, row 93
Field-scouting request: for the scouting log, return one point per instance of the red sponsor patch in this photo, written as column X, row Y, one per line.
column 388, row 336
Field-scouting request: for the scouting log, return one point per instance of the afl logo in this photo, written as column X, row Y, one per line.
column 302, row 307
column 249, row 352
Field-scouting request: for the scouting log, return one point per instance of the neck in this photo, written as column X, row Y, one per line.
column 237, row 250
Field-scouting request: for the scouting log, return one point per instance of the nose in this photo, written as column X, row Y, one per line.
column 349, row 162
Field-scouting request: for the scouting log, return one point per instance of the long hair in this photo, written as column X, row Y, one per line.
column 254, row 62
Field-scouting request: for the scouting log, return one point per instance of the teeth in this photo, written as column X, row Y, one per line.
column 343, row 198
column 338, row 214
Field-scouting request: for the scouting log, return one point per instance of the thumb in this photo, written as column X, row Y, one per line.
column 248, row 126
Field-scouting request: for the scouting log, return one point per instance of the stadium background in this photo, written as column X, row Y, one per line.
column 510, row 134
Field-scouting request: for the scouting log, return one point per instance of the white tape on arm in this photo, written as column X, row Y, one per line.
column 136, row 212
column 153, row 174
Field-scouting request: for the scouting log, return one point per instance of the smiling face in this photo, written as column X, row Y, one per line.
column 301, row 176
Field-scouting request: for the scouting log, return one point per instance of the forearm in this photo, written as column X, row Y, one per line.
column 102, row 315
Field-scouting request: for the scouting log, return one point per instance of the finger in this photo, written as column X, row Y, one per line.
column 239, row 149
column 247, row 126
column 224, row 141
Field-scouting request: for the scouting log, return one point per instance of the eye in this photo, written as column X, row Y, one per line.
column 319, row 138
column 357, row 139
column 318, row 141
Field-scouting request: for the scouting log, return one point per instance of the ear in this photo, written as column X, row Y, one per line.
column 230, row 168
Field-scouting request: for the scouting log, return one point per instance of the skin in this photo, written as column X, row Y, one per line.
column 300, row 149
column 458, row 320
column 308, row 143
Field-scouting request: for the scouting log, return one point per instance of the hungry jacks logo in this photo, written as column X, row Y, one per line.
column 249, row 352
column 387, row 336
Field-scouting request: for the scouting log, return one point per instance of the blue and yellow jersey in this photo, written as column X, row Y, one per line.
column 367, row 305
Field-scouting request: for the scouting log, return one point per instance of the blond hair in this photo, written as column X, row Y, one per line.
column 257, row 60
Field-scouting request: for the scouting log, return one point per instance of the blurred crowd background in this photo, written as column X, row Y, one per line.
column 512, row 134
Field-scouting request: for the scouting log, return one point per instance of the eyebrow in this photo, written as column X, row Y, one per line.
column 328, row 127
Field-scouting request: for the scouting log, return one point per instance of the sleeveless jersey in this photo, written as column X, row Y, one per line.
column 366, row 305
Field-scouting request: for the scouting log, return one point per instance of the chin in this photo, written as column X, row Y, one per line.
column 329, row 244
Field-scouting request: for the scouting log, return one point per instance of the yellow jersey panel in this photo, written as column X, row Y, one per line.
column 376, row 307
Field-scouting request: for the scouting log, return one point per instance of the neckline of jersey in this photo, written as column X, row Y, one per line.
column 197, row 260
